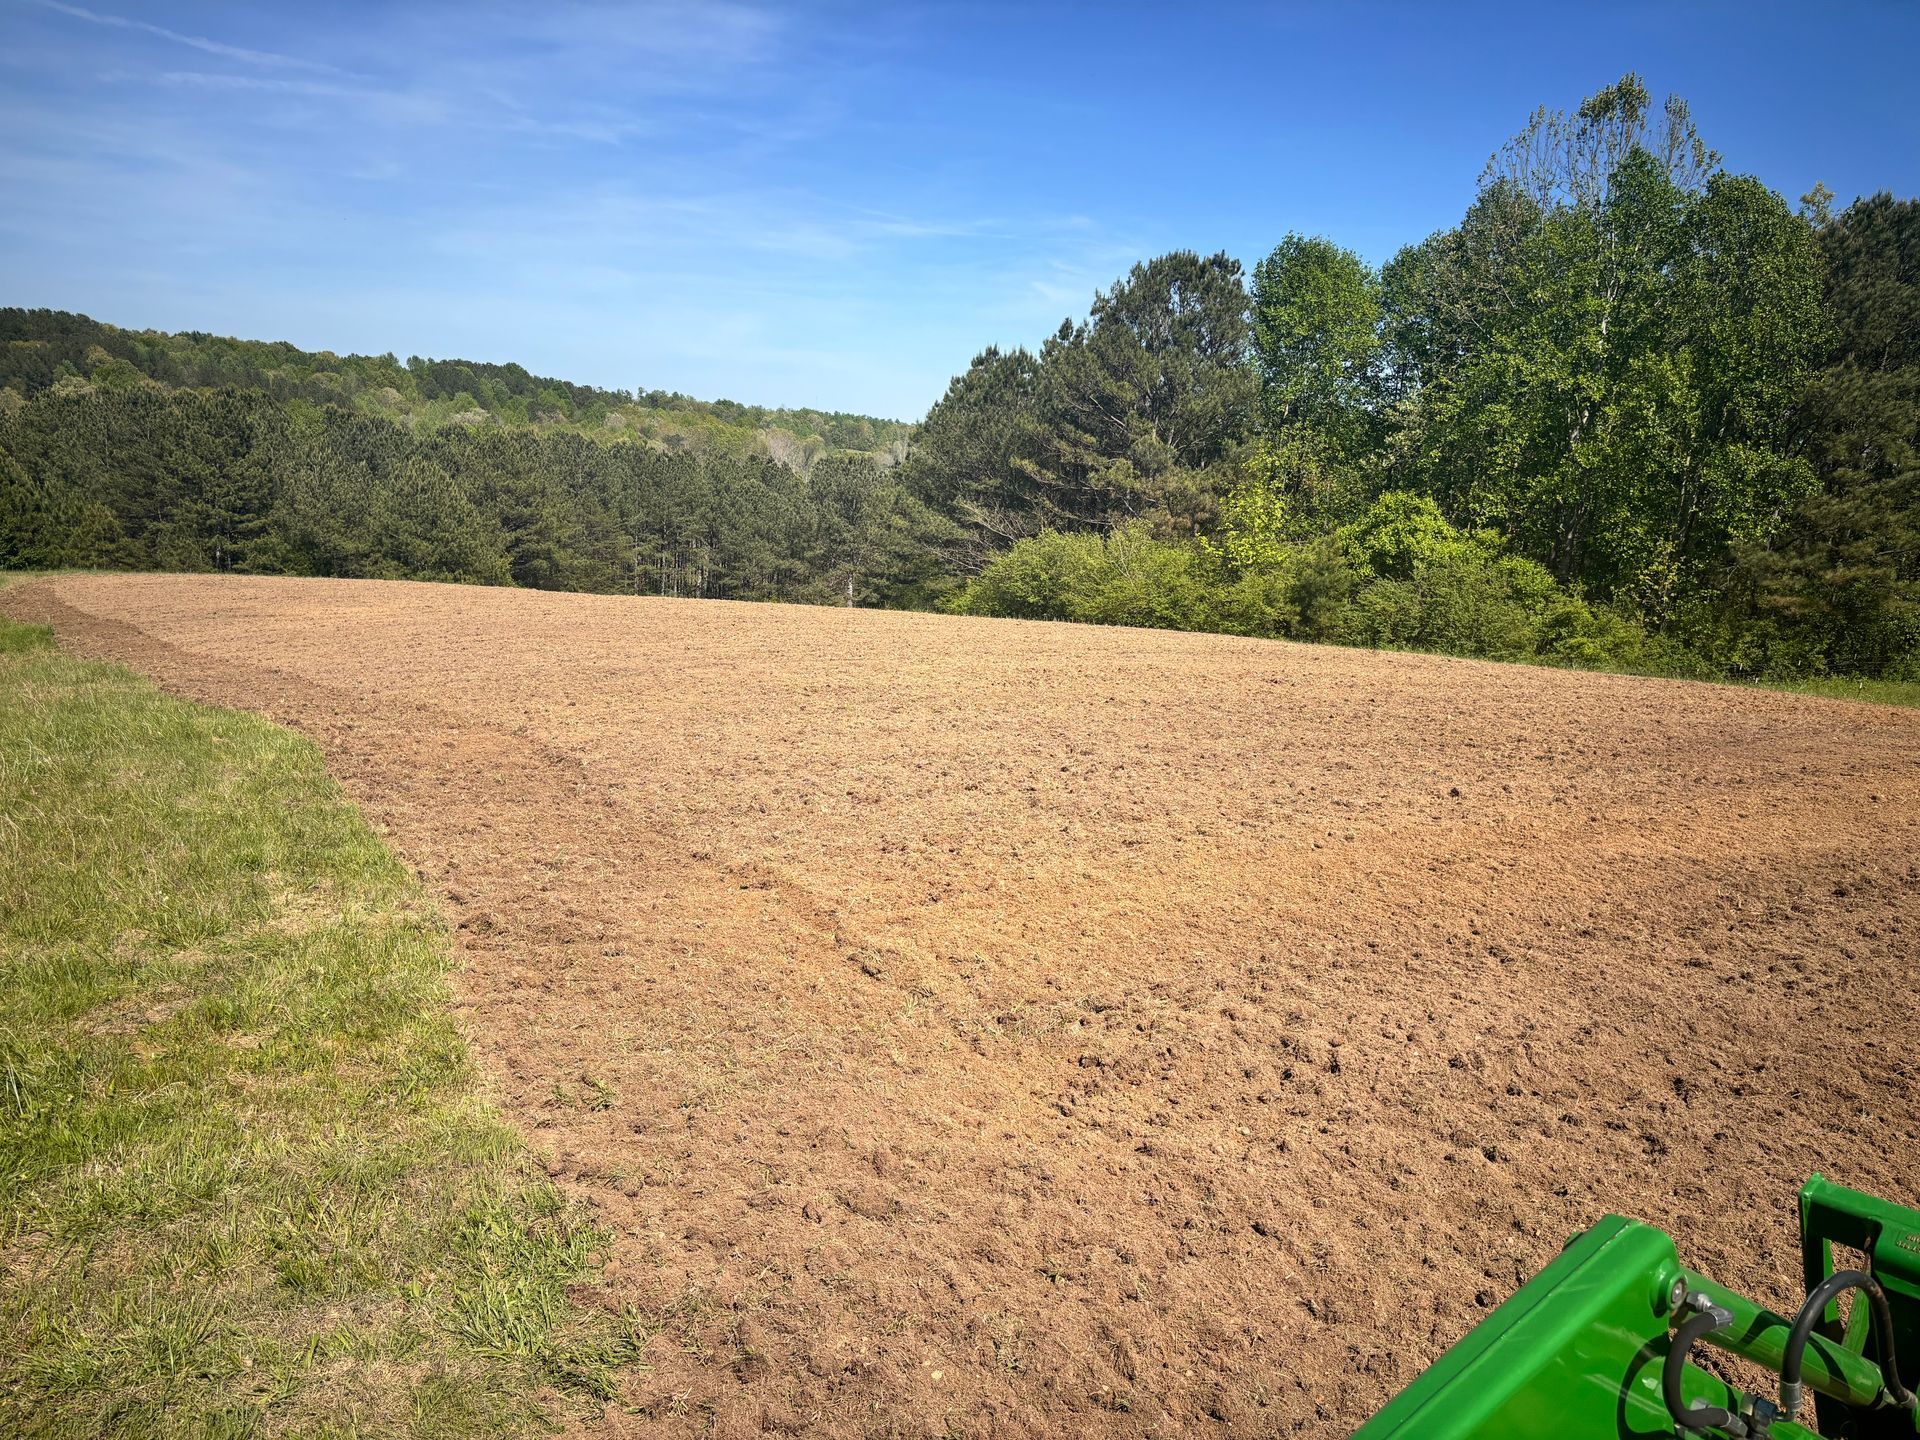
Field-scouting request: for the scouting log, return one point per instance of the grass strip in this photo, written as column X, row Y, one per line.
column 247, row 1185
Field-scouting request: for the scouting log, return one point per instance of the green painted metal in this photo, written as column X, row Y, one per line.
column 1576, row 1354
column 1760, row 1335
column 1888, row 1237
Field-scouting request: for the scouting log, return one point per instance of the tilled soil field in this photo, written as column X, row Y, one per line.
column 979, row 1027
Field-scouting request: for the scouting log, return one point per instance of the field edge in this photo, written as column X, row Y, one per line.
column 248, row 1183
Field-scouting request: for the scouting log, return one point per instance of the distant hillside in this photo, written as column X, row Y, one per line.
column 40, row 349
column 139, row 450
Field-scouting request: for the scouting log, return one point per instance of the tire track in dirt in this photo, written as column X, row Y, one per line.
column 987, row 1028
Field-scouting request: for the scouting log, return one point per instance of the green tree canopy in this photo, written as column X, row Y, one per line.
column 1603, row 358
column 1316, row 321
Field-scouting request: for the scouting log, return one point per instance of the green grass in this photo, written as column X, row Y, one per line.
column 1877, row 692
column 246, row 1185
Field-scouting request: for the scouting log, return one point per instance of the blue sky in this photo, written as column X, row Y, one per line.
column 820, row 205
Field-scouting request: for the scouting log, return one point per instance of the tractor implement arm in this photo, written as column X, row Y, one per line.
column 1599, row 1344
column 1761, row 1336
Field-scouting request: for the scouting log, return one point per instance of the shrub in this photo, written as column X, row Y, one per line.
column 1401, row 532
column 1124, row 577
column 1260, row 602
column 1040, row 578
column 1391, row 614
column 1470, row 605
column 1141, row 581
column 1400, row 577
column 1326, row 578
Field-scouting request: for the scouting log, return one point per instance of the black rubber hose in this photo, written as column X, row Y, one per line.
column 1700, row 1417
column 1823, row 1295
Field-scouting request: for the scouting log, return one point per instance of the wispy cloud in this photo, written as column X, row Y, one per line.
column 665, row 37
column 373, row 106
column 909, row 227
column 1056, row 294
column 700, row 197
column 263, row 58
column 606, row 128
column 270, row 84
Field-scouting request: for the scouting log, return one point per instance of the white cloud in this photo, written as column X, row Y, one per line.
column 263, row 58
column 657, row 194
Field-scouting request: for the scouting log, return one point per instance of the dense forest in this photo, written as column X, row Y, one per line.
column 1631, row 411
column 193, row 452
column 44, row 348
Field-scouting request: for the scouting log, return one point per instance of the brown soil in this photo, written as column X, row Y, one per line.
column 982, row 1027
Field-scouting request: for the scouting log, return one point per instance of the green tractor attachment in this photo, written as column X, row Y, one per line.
column 1601, row 1343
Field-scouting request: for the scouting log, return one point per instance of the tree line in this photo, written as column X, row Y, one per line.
column 42, row 349
column 155, row 479
column 1627, row 385
column 1632, row 410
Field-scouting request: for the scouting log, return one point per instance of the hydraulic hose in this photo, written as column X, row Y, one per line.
column 1697, row 1417
column 1823, row 1295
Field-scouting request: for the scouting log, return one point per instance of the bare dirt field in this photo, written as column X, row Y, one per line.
column 979, row 1027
